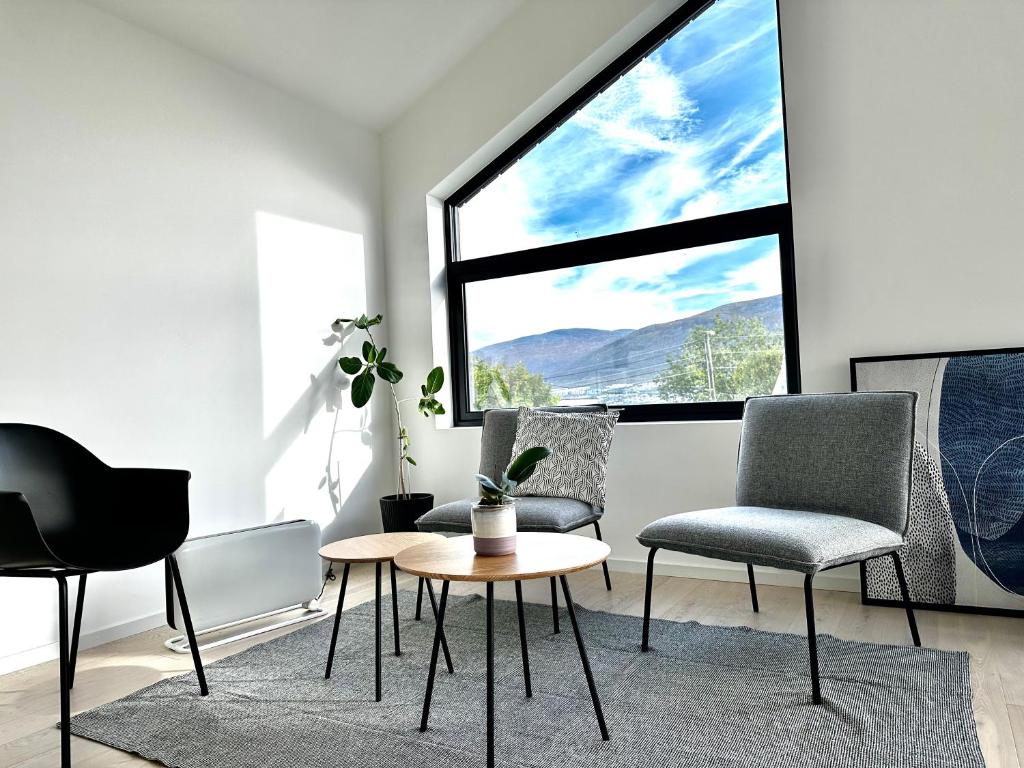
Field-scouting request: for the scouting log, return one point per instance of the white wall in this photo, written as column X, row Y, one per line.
column 904, row 135
column 174, row 241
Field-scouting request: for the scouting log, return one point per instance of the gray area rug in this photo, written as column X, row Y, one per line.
column 703, row 696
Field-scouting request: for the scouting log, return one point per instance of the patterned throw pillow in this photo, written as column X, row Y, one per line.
column 579, row 444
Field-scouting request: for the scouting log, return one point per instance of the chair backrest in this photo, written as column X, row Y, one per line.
column 499, row 435
column 56, row 475
column 845, row 454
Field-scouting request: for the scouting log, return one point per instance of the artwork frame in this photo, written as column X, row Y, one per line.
column 980, row 402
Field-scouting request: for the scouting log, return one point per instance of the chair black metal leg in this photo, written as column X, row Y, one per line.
column 444, row 640
column 76, row 630
column 65, row 674
column 438, row 634
column 189, row 631
column 376, row 658
column 337, row 622
column 753, row 587
column 554, row 605
column 394, row 607
column 604, row 565
column 490, row 674
column 419, row 598
column 901, row 577
column 644, row 645
column 812, row 639
column 522, row 638
column 583, row 657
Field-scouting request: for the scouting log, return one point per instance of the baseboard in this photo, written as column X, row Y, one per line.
column 48, row 652
column 844, row 579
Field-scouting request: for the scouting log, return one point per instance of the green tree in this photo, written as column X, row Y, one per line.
column 497, row 385
column 731, row 360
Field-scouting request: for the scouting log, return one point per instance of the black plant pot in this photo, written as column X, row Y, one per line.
column 399, row 513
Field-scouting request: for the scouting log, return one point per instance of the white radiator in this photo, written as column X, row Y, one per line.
column 239, row 576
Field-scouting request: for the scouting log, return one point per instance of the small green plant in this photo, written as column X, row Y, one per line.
column 364, row 372
column 494, row 493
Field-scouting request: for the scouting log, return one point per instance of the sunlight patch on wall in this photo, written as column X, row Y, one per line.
column 308, row 273
column 317, row 445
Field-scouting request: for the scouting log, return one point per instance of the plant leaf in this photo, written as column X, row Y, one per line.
column 367, row 351
column 487, row 484
column 411, row 460
column 435, row 380
column 526, row 462
column 362, row 388
column 375, row 320
column 389, row 373
column 361, row 322
column 351, row 365
column 381, row 353
column 430, row 406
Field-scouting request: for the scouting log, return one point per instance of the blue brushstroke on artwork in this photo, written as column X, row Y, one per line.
column 981, row 436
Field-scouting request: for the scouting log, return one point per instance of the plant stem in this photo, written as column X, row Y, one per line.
column 402, row 492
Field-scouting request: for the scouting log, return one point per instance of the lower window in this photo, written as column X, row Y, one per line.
column 653, row 333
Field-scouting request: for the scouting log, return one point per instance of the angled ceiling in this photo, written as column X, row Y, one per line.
column 367, row 60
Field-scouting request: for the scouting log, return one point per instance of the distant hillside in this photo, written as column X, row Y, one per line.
column 546, row 352
column 575, row 357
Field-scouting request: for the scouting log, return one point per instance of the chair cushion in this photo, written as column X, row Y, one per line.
column 579, row 445
column 792, row 539
column 535, row 513
column 499, row 434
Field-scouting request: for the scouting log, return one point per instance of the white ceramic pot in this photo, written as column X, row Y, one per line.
column 494, row 529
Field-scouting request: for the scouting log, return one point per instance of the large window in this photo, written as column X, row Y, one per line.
column 635, row 247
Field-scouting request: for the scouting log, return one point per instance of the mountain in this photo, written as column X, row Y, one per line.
column 579, row 357
column 547, row 352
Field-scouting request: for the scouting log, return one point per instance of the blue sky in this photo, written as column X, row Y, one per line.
column 695, row 129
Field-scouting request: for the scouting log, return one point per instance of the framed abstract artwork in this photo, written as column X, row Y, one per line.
column 965, row 536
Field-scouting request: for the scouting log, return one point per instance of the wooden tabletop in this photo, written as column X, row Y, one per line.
column 377, row 547
column 537, row 555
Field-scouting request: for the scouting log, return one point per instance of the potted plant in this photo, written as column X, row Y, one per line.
column 494, row 518
column 399, row 510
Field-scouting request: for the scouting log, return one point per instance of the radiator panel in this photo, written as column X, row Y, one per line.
column 236, row 575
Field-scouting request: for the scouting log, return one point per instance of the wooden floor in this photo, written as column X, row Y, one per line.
column 29, row 697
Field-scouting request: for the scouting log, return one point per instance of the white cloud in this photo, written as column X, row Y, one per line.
column 763, row 274
column 498, row 219
column 646, row 109
column 755, row 185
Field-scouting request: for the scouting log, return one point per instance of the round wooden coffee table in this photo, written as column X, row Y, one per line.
column 537, row 556
column 378, row 548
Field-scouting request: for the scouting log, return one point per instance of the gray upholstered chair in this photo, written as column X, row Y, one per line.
column 533, row 513
column 822, row 481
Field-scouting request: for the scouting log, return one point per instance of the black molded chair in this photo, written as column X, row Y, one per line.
column 63, row 512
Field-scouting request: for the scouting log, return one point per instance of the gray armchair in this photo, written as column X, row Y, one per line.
column 822, row 481
column 533, row 513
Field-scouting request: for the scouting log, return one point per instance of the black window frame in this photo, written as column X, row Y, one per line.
column 738, row 225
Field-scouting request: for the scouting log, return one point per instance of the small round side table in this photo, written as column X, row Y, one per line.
column 537, row 555
column 378, row 548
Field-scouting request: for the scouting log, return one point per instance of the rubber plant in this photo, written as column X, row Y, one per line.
column 374, row 363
